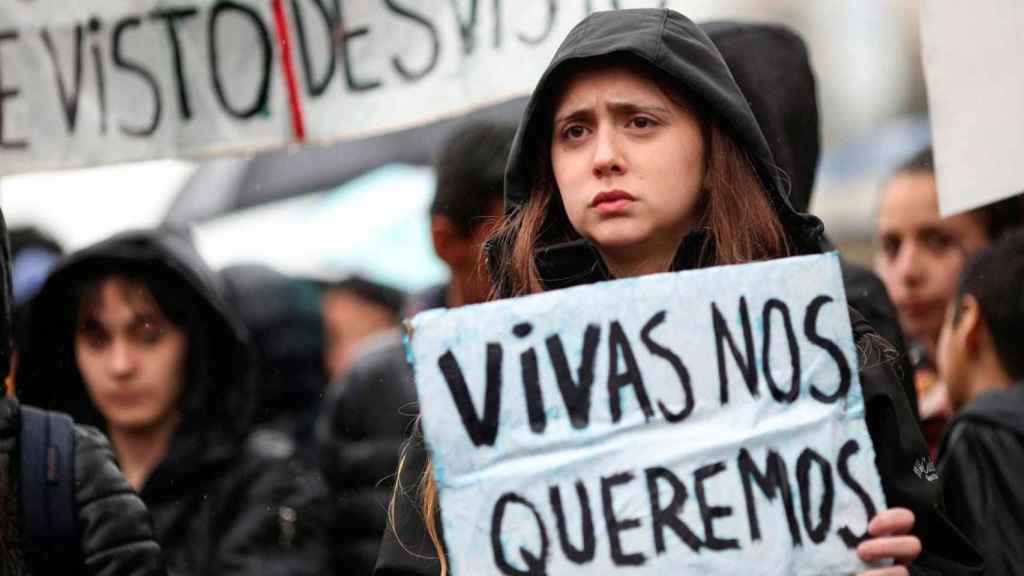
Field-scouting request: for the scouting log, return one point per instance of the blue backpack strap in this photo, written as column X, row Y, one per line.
column 49, row 531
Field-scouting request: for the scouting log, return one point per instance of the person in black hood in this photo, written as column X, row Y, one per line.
column 132, row 335
column 638, row 154
column 115, row 536
column 981, row 455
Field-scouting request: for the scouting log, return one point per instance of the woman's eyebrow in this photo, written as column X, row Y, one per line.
column 622, row 108
column 581, row 113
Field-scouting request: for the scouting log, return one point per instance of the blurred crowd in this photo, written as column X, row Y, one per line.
column 257, row 420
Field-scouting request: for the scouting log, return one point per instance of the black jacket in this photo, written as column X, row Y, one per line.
column 114, row 526
column 684, row 52
column 367, row 415
column 221, row 504
column 981, row 462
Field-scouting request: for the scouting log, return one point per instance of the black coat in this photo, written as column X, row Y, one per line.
column 114, row 526
column 367, row 415
column 685, row 53
column 981, row 462
column 221, row 504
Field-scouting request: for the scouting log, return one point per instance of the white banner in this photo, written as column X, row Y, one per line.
column 702, row 422
column 975, row 98
column 86, row 82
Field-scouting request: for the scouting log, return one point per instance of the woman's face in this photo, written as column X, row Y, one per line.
column 130, row 355
column 629, row 164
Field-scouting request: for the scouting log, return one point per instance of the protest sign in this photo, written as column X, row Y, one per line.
column 101, row 81
column 975, row 99
column 700, row 422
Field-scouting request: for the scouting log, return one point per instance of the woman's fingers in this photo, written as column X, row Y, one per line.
column 890, row 571
column 903, row 549
column 891, row 521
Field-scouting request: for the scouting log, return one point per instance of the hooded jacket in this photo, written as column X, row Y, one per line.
column 220, row 504
column 980, row 461
column 675, row 46
column 116, row 537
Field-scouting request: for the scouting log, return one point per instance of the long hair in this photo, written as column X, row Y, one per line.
column 736, row 213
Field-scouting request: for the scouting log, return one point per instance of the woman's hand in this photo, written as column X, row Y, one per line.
column 890, row 539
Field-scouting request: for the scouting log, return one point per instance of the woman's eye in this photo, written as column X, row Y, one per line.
column 574, row 131
column 641, row 122
column 149, row 332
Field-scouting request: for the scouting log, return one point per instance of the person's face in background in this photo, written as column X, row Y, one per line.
column 919, row 255
column 348, row 320
column 470, row 283
column 629, row 164
column 131, row 357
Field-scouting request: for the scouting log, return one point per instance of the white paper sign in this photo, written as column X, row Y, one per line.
column 975, row 98
column 704, row 422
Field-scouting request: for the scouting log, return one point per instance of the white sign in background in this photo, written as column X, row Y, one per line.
column 664, row 466
column 975, row 99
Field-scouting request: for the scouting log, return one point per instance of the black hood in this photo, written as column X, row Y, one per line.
column 1004, row 408
column 681, row 50
column 217, row 403
column 771, row 65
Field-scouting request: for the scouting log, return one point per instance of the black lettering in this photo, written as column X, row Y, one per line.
column 467, row 28
column 481, row 431
column 681, row 372
column 747, row 364
column 618, row 345
column 548, row 27
column 171, row 18
column 536, row 564
column 315, row 86
column 708, row 514
column 344, row 37
column 669, row 516
column 68, row 99
column 849, row 538
column 97, row 62
column 816, row 532
column 774, row 480
column 811, row 331
column 121, row 62
column 616, row 526
column 8, row 93
column 531, row 386
column 263, row 93
column 778, row 394
column 575, row 393
column 585, row 553
column 435, row 43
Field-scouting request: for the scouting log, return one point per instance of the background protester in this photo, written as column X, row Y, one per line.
column 132, row 335
column 919, row 256
column 607, row 179
column 355, row 309
column 114, row 532
column 370, row 410
column 980, row 359
column 284, row 318
column 772, row 67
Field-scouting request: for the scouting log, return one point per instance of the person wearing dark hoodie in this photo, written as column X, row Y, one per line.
column 132, row 335
column 979, row 356
column 115, row 537
column 641, row 101
column 369, row 412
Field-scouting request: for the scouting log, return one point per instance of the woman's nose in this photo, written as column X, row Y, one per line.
column 122, row 359
column 608, row 154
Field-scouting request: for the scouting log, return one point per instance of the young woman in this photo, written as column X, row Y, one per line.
column 639, row 154
column 132, row 335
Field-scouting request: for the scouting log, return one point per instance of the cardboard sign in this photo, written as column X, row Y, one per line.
column 975, row 99
column 698, row 422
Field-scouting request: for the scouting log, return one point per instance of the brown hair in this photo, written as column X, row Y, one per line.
column 736, row 211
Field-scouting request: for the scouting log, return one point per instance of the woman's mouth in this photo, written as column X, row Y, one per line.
column 612, row 201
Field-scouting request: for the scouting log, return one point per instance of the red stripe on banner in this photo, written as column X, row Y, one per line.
column 294, row 101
